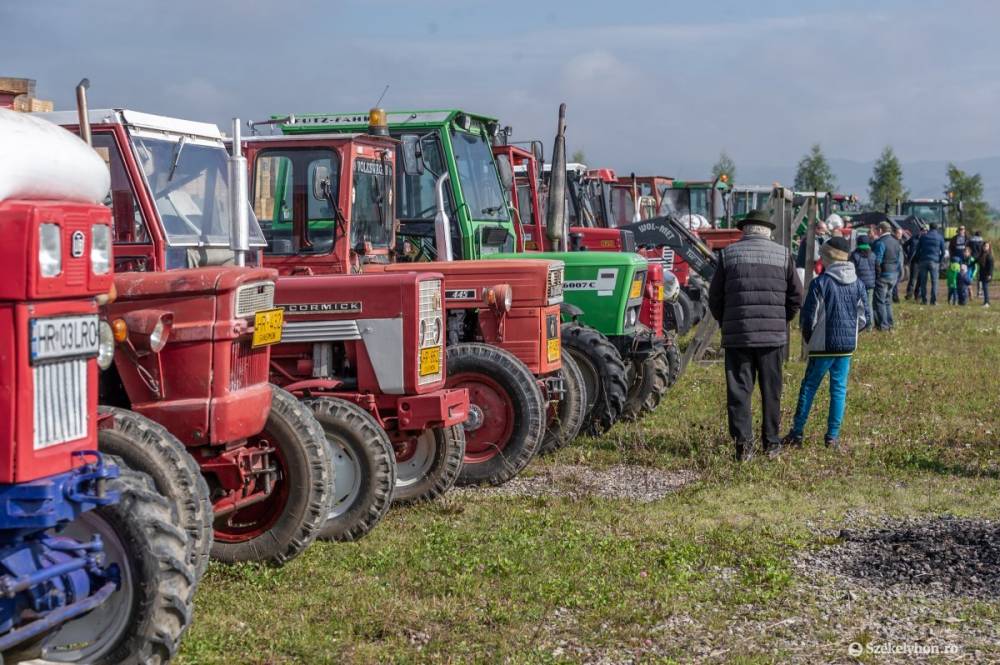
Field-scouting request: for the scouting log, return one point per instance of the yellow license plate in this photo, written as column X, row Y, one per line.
column 636, row 289
column 553, row 350
column 659, row 292
column 430, row 361
column 267, row 327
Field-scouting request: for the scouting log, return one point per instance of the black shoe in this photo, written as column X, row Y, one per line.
column 773, row 451
column 831, row 442
column 745, row 451
column 792, row 440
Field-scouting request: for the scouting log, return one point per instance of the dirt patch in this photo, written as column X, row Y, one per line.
column 629, row 482
column 943, row 555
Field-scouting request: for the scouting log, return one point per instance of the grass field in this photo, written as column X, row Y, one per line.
column 718, row 571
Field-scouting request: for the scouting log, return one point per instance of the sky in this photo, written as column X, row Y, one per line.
column 651, row 86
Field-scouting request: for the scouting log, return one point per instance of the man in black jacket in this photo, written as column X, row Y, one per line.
column 754, row 293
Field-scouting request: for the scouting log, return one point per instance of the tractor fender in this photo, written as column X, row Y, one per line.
column 570, row 311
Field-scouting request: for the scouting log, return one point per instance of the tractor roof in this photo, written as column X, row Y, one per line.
column 359, row 121
column 137, row 120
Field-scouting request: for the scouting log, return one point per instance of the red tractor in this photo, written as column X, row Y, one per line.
column 94, row 566
column 194, row 328
column 501, row 319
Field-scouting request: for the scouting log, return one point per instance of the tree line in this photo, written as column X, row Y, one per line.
column 885, row 187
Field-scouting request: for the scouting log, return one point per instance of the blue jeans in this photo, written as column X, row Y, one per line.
column 882, row 310
column 838, row 367
column 928, row 269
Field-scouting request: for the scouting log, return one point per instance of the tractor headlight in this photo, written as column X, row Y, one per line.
column 49, row 250
column 100, row 249
column 105, row 345
column 158, row 337
column 631, row 316
column 500, row 298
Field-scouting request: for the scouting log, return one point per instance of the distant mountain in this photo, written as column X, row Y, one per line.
column 922, row 178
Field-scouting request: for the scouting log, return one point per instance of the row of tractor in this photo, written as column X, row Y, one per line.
column 226, row 347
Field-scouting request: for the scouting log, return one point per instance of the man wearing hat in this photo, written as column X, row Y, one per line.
column 888, row 264
column 836, row 308
column 754, row 293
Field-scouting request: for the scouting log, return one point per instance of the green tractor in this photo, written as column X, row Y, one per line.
column 451, row 203
column 699, row 204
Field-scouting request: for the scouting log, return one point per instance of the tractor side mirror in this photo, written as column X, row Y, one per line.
column 506, row 172
column 410, row 149
column 538, row 151
column 320, row 181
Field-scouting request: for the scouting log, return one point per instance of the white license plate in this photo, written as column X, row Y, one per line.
column 64, row 336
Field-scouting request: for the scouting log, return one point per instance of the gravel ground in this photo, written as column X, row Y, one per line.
column 628, row 482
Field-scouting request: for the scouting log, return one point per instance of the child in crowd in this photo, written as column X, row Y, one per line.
column 951, row 278
column 964, row 283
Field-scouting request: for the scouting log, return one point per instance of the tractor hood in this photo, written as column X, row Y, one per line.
column 190, row 282
column 533, row 282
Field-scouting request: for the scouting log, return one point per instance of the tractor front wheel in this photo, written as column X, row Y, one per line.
column 648, row 384
column 364, row 466
column 144, row 619
column 506, row 412
column 566, row 416
column 603, row 373
column 428, row 464
column 146, row 446
column 672, row 356
column 281, row 526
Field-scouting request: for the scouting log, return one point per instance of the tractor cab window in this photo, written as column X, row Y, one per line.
column 744, row 203
column 763, row 198
column 675, row 202
column 371, row 203
column 291, row 196
column 477, row 173
column 416, row 197
column 129, row 226
column 622, row 206
column 699, row 199
column 188, row 180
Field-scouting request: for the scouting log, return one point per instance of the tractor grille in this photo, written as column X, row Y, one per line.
column 253, row 298
column 430, row 298
column 554, row 287
column 668, row 259
column 60, row 402
column 248, row 366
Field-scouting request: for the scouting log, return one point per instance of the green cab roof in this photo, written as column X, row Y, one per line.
column 598, row 259
column 358, row 122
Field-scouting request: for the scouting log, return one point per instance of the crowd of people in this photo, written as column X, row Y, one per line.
column 757, row 291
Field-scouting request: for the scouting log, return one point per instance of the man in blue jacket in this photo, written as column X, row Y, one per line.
column 928, row 257
column 835, row 308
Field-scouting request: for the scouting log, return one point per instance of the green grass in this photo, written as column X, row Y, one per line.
column 492, row 579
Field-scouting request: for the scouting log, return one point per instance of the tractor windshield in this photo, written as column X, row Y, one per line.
column 189, row 182
column 477, row 174
column 371, row 203
column 417, row 199
column 929, row 212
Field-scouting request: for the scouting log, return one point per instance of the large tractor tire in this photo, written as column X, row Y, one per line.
column 648, row 382
column 146, row 446
column 506, row 412
column 364, row 468
column 603, row 373
column 672, row 355
column 287, row 521
column 144, row 619
column 428, row 465
column 566, row 416
column 687, row 313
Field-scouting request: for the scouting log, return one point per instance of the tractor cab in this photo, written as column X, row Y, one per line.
column 749, row 197
column 698, row 203
column 931, row 211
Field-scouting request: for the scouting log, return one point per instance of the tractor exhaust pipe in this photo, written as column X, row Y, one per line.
column 636, row 216
column 239, row 200
column 442, row 225
column 82, row 110
column 555, row 217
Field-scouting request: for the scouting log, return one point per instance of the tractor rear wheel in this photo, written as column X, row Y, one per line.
column 364, row 466
column 281, row 526
column 428, row 465
column 144, row 619
column 506, row 412
column 603, row 373
column 146, row 446
column 566, row 416
column 648, row 383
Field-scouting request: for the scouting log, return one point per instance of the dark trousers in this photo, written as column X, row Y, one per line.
column 911, row 283
column 744, row 368
column 928, row 269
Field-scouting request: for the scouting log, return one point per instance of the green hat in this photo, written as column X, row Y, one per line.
column 758, row 217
